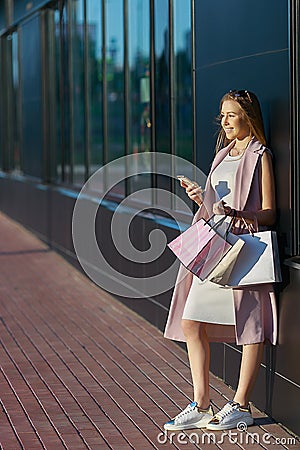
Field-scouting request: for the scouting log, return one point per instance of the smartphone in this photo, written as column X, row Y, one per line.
column 187, row 181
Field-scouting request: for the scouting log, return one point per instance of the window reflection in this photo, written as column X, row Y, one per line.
column 78, row 126
column 78, row 69
column 183, row 101
column 115, row 86
column 139, row 111
column 162, row 86
column 62, row 157
column 16, row 156
column 162, row 73
column 31, row 97
column 94, row 68
column 58, row 159
column 183, row 79
column 115, row 77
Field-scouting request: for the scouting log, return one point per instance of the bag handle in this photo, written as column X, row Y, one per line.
column 249, row 226
column 222, row 220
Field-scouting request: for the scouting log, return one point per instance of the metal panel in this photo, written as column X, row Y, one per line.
column 239, row 56
column 230, row 55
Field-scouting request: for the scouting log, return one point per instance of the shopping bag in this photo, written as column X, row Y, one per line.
column 223, row 269
column 257, row 262
column 201, row 247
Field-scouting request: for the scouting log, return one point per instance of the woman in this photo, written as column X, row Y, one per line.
column 242, row 177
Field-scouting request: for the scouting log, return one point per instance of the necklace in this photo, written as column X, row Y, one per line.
column 233, row 158
column 240, row 151
column 238, row 155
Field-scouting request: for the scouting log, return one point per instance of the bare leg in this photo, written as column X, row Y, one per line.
column 251, row 359
column 199, row 357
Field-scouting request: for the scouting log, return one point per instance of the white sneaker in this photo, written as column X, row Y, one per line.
column 230, row 416
column 190, row 417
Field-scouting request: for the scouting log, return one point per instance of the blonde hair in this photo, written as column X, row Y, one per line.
column 251, row 112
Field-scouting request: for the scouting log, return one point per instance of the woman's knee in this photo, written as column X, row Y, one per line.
column 193, row 329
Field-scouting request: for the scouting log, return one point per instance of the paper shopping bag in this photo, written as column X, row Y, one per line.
column 201, row 248
column 257, row 262
column 222, row 271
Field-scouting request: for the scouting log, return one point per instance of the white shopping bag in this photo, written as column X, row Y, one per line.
column 256, row 263
column 222, row 271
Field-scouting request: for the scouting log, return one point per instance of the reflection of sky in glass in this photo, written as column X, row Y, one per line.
column 161, row 25
column 94, row 20
column 138, row 17
column 139, row 32
column 15, row 62
column 114, row 26
column 182, row 23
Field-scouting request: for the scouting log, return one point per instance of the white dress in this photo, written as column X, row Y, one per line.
column 207, row 301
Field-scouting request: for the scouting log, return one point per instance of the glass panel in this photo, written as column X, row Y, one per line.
column 6, row 102
column 94, row 52
column 139, row 91
column 57, row 175
column 62, row 96
column 16, row 156
column 2, row 15
column 31, row 97
column 115, row 77
column 77, row 48
column 183, row 80
column 115, row 90
column 162, row 91
column 162, row 73
column 183, row 98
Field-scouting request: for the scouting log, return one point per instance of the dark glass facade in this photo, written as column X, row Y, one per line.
column 84, row 82
column 94, row 83
column 102, row 85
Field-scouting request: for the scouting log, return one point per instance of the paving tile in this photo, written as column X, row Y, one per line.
column 79, row 370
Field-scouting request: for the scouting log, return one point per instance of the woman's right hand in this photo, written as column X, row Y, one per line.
column 194, row 192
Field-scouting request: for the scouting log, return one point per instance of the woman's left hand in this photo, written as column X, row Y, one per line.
column 221, row 208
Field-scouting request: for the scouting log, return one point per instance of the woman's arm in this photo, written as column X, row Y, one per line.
column 267, row 214
column 194, row 192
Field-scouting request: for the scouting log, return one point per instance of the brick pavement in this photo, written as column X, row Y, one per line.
column 81, row 371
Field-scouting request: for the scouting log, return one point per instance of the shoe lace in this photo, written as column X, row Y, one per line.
column 228, row 408
column 187, row 410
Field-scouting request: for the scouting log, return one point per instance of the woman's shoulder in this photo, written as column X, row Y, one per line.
column 257, row 147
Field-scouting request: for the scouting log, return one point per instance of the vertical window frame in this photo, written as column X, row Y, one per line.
column 126, row 95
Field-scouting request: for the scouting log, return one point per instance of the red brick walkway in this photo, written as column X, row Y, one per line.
column 81, row 371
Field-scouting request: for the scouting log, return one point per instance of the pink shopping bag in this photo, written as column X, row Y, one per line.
column 200, row 248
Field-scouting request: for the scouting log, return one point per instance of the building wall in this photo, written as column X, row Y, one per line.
column 85, row 82
column 246, row 46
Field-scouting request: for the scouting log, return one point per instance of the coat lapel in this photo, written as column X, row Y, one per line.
column 245, row 173
column 243, row 181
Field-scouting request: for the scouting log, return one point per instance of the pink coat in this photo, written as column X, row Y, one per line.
column 255, row 307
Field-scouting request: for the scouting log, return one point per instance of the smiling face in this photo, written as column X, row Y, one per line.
column 233, row 122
